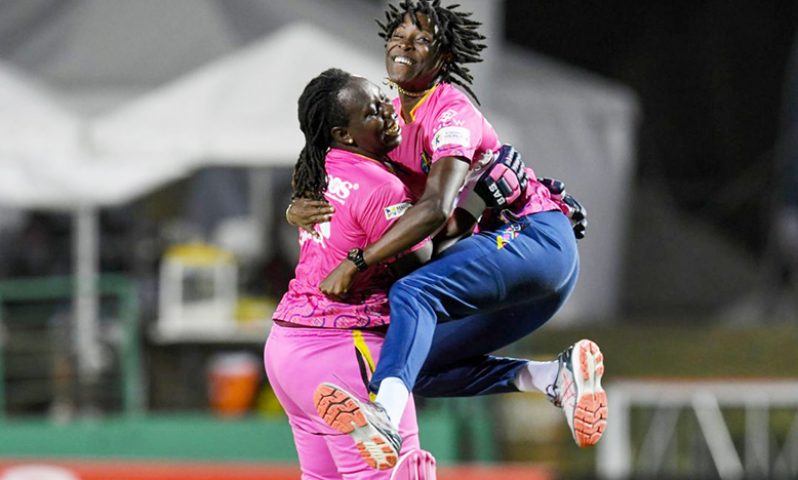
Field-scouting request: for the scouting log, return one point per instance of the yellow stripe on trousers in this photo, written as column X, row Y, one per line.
column 365, row 354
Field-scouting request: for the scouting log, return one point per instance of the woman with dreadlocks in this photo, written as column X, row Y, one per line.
column 349, row 127
column 487, row 290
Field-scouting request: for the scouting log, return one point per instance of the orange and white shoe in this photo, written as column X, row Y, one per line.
column 415, row 465
column 377, row 441
column 577, row 390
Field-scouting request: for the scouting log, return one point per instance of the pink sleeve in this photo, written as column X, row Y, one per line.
column 456, row 132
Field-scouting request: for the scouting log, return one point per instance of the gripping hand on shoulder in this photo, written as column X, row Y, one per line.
column 305, row 213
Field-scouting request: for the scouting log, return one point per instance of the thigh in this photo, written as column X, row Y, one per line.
column 494, row 270
column 297, row 361
column 484, row 333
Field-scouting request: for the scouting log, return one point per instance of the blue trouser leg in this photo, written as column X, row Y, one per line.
column 458, row 365
column 487, row 295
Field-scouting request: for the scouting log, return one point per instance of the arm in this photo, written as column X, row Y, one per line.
column 420, row 221
column 427, row 216
column 459, row 225
column 411, row 260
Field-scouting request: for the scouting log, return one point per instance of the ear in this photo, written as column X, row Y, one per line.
column 446, row 59
column 341, row 135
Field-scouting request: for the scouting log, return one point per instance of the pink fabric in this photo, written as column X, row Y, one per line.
column 368, row 199
column 447, row 124
column 299, row 359
column 538, row 197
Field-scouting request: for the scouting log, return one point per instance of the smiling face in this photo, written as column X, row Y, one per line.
column 413, row 58
column 372, row 129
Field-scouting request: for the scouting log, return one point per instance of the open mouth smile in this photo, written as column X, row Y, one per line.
column 403, row 60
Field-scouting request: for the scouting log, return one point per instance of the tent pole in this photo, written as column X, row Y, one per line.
column 85, row 305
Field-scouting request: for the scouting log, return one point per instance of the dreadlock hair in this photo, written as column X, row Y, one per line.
column 319, row 111
column 457, row 34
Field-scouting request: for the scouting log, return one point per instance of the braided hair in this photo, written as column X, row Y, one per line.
column 319, row 111
column 457, row 34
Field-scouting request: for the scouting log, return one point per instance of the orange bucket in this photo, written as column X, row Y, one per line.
column 233, row 380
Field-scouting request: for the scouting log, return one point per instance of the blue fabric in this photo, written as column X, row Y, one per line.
column 480, row 295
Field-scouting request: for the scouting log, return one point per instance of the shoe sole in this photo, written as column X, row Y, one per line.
column 341, row 411
column 590, row 414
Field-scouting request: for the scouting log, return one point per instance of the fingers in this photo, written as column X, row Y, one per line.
column 578, row 215
column 556, row 187
column 333, row 292
column 580, row 229
column 306, row 208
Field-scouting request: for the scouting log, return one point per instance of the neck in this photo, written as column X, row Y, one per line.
column 408, row 93
column 409, row 99
column 359, row 151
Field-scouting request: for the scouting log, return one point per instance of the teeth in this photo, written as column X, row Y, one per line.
column 393, row 129
column 403, row 60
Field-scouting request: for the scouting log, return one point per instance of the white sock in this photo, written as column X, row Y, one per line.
column 393, row 395
column 537, row 376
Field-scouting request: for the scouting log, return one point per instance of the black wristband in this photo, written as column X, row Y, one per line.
column 356, row 256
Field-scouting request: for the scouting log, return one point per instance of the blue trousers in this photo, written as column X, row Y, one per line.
column 482, row 294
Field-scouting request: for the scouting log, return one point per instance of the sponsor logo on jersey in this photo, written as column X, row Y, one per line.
column 397, row 210
column 322, row 234
column 339, row 189
column 460, row 136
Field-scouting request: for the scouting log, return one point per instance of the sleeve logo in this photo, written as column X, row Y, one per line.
column 447, row 116
column 459, row 136
column 397, row 210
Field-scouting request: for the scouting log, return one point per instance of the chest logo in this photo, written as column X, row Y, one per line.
column 339, row 189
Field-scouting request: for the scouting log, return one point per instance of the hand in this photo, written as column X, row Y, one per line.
column 337, row 284
column 505, row 180
column 569, row 205
column 305, row 213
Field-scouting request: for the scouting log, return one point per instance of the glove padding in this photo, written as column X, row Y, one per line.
column 505, row 181
column 569, row 205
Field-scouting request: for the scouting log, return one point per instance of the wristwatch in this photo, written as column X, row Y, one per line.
column 356, row 256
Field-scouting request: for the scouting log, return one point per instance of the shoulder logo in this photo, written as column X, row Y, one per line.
column 397, row 210
column 447, row 116
column 459, row 136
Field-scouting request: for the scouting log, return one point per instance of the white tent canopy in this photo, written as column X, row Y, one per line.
column 32, row 123
column 239, row 110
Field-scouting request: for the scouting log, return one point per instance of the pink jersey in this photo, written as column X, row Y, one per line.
column 368, row 199
column 446, row 124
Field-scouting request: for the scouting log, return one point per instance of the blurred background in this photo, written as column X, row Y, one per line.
column 145, row 160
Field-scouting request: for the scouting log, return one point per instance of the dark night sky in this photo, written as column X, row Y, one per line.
column 709, row 76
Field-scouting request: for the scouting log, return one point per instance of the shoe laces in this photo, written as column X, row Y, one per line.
column 553, row 394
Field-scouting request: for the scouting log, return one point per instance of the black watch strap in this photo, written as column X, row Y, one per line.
column 356, row 256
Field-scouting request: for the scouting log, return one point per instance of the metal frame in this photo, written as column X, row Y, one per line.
column 52, row 288
column 706, row 400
